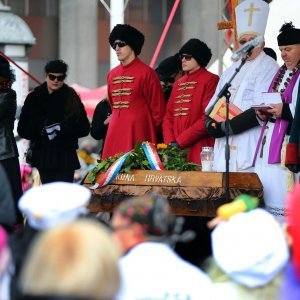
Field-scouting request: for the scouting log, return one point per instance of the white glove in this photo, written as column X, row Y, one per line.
column 52, row 130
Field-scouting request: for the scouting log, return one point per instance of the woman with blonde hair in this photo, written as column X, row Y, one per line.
column 73, row 261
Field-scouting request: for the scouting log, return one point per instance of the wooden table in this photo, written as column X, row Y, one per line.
column 190, row 193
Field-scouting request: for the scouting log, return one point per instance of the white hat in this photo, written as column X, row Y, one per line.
column 251, row 17
column 54, row 203
column 250, row 248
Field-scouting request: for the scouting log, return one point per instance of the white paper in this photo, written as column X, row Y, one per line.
column 271, row 98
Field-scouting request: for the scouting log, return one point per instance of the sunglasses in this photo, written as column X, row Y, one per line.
column 59, row 77
column 120, row 44
column 187, row 57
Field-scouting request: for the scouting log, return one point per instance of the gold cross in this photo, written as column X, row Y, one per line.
column 251, row 11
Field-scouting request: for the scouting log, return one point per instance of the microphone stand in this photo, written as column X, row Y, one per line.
column 224, row 92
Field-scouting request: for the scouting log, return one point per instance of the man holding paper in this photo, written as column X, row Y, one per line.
column 246, row 90
column 282, row 97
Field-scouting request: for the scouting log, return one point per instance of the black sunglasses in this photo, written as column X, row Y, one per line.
column 59, row 77
column 186, row 56
column 120, row 44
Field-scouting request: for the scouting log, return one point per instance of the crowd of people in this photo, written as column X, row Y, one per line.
column 136, row 254
column 64, row 252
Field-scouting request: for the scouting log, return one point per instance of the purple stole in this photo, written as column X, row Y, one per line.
column 290, row 286
column 280, row 126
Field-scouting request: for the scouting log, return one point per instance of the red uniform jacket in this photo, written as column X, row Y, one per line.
column 138, row 107
column 185, row 116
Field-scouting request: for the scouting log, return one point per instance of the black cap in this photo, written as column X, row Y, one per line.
column 199, row 50
column 270, row 52
column 289, row 35
column 169, row 66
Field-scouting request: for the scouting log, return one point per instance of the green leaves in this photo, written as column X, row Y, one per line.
column 172, row 157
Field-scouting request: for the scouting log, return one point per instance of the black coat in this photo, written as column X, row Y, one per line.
column 42, row 109
column 98, row 128
column 8, row 107
column 9, row 156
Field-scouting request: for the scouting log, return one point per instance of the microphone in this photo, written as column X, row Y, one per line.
column 249, row 46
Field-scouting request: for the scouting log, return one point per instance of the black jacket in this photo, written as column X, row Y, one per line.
column 8, row 107
column 42, row 109
column 98, row 128
column 292, row 159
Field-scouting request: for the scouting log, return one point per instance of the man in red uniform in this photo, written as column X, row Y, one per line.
column 134, row 93
column 183, row 122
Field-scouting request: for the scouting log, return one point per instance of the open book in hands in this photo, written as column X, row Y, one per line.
column 267, row 100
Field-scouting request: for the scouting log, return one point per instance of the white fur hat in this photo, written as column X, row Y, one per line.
column 251, row 17
column 54, row 203
column 250, row 248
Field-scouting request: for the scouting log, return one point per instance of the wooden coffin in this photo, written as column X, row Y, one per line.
column 190, row 193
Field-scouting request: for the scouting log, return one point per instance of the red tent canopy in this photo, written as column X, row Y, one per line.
column 90, row 97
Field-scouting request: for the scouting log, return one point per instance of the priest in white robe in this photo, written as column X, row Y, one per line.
column 246, row 91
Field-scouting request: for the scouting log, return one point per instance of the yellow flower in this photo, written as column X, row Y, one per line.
column 161, row 146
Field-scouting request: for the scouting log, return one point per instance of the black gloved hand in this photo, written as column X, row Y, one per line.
column 51, row 131
column 214, row 128
column 293, row 168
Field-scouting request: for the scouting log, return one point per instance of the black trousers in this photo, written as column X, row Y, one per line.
column 48, row 176
column 12, row 169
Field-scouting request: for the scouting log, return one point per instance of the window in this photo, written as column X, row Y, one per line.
column 17, row 6
column 44, row 8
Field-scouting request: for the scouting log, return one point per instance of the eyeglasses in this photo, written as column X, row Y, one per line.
column 187, row 57
column 120, row 44
column 59, row 77
column 244, row 41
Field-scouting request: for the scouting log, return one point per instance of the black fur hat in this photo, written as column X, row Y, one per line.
column 199, row 50
column 124, row 32
column 5, row 70
column 289, row 35
column 168, row 67
column 56, row 66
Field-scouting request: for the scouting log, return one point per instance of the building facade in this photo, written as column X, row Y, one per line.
column 77, row 31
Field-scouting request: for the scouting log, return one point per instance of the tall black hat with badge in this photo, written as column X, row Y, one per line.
column 124, row 32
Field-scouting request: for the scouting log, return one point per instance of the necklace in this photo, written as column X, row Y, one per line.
column 280, row 76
